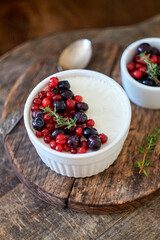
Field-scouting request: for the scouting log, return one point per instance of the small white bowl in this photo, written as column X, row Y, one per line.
column 109, row 106
column 140, row 94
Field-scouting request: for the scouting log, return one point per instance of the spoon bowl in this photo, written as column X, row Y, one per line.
column 75, row 56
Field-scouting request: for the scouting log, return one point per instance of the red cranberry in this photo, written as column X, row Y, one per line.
column 82, row 150
column 50, row 126
column 65, row 114
column 131, row 66
column 45, row 132
column 34, row 107
column 42, row 94
column 139, row 59
column 143, row 69
column 56, row 97
column 138, row 65
column 90, row 123
column 72, row 112
column 131, row 73
column 78, row 98
column 154, row 59
column 38, row 134
column 37, row 101
column 47, row 117
column 53, row 144
column 47, row 139
column 103, row 138
column 53, row 82
column 59, row 148
column 84, row 144
column 57, row 131
column 66, row 147
column 50, row 94
column 53, row 119
column 61, row 138
column 47, row 102
column 70, row 103
column 73, row 150
column 137, row 74
column 79, row 131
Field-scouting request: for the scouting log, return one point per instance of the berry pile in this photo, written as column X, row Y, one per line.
column 139, row 69
column 59, row 118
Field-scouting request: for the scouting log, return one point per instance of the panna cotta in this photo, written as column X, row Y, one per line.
column 109, row 107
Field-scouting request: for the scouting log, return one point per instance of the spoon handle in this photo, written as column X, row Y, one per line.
column 8, row 125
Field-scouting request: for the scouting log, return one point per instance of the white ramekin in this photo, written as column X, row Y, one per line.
column 79, row 165
column 139, row 94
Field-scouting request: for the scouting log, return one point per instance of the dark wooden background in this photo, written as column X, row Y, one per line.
column 22, row 20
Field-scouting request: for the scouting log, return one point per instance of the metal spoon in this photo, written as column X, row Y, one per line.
column 76, row 55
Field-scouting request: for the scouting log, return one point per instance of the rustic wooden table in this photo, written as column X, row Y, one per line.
column 23, row 216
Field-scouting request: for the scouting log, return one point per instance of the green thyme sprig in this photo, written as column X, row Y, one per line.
column 61, row 121
column 146, row 148
column 152, row 68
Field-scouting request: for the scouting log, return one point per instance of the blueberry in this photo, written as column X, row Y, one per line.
column 144, row 47
column 148, row 82
column 38, row 123
column 64, row 84
column 88, row 131
column 59, row 105
column 57, row 131
column 155, row 51
column 80, row 117
column 81, row 106
column 70, row 130
column 37, row 113
column 66, row 94
column 55, row 90
column 94, row 142
column 73, row 141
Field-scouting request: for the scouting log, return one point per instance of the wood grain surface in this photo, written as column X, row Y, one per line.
column 120, row 187
column 23, row 216
column 25, row 20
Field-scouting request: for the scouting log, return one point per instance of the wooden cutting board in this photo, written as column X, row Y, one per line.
column 118, row 188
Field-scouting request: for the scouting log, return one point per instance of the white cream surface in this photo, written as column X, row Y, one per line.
column 106, row 105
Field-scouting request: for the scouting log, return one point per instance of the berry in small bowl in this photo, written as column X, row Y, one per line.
column 79, row 129
column 140, row 72
column 61, row 119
